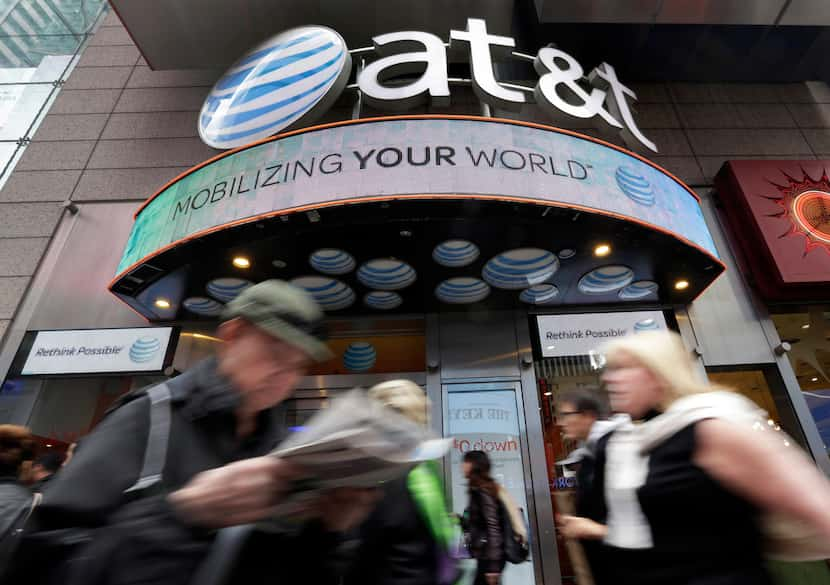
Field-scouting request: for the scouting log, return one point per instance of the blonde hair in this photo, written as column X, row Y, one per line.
column 665, row 356
column 405, row 396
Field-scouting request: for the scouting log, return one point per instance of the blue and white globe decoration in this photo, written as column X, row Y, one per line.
column 566, row 253
column 462, row 290
column 227, row 289
column 359, row 356
column 646, row 325
column 383, row 300
column 286, row 80
column 635, row 186
column 203, row 306
column 330, row 293
column 386, row 274
column 332, row 261
column 144, row 349
column 520, row 268
column 606, row 279
column 639, row 290
column 541, row 294
column 455, row 253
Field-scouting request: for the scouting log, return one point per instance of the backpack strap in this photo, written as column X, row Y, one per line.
column 155, row 454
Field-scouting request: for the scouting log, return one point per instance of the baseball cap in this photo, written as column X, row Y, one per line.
column 285, row 312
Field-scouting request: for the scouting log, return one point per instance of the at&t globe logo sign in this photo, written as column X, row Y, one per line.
column 144, row 349
column 287, row 80
column 295, row 76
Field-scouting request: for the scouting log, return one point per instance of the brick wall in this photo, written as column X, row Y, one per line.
column 118, row 131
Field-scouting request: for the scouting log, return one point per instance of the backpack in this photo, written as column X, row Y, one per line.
column 516, row 549
column 63, row 547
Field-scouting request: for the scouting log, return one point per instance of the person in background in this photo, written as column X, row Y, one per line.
column 580, row 413
column 70, row 452
column 408, row 538
column 226, row 413
column 687, row 483
column 44, row 468
column 15, row 445
column 482, row 519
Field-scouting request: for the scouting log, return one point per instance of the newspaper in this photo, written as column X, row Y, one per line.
column 356, row 442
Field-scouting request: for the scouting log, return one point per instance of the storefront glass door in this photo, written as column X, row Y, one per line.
column 488, row 417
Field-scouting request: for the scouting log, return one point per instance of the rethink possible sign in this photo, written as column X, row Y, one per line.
column 414, row 157
column 98, row 351
column 571, row 335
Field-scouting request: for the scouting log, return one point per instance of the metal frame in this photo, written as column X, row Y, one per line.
column 545, row 526
column 484, row 385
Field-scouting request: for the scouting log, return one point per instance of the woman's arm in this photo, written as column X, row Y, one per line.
column 758, row 467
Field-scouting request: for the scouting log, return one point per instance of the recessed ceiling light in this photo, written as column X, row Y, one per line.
column 805, row 326
column 48, row 444
column 242, row 262
column 681, row 284
column 602, row 250
column 814, row 379
column 279, row 263
column 548, row 393
column 162, row 303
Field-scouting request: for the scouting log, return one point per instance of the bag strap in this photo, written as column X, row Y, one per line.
column 224, row 551
column 155, row 454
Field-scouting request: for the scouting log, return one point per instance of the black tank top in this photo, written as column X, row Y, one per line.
column 702, row 534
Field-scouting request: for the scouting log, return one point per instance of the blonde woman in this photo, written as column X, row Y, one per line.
column 685, row 487
column 408, row 538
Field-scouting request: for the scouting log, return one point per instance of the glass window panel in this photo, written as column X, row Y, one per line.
column 47, row 56
column 808, row 332
column 20, row 106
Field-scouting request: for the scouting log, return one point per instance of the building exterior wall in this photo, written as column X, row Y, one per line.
column 118, row 131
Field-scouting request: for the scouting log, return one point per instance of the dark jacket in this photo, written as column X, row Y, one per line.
column 14, row 498
column 396, row 545
column 142, row 538
column 483, row 524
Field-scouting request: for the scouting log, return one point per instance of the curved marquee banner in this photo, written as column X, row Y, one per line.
column 414, row 156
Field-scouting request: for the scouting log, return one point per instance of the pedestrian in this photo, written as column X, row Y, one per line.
column 225, row 415
column 408, row 539
column 483, row 519
column 688, row 484
column 15, row 445
column 44, row 468
column 581, row 414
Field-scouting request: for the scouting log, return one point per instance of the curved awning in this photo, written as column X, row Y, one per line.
column 533, row 202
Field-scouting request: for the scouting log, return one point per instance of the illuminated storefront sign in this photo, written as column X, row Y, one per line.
column 296, row 75
column 436, row 157
column 97, row 351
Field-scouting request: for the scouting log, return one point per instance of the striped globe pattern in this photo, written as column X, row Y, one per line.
column 273, row 86
column 383, row 300
column 144, row 349
column 360, row 356
column 540, row 294
column 606, row 279
column 330, row 293
column 635, row 186
column 646, row 325
column 520, row 268
column 386, row 274
column 332, row 261
column 462, row 290
column 638, row 290
column 227, row 289
column 455, row 253
column 203, row 306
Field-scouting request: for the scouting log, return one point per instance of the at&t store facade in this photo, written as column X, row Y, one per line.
column 484, row 256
